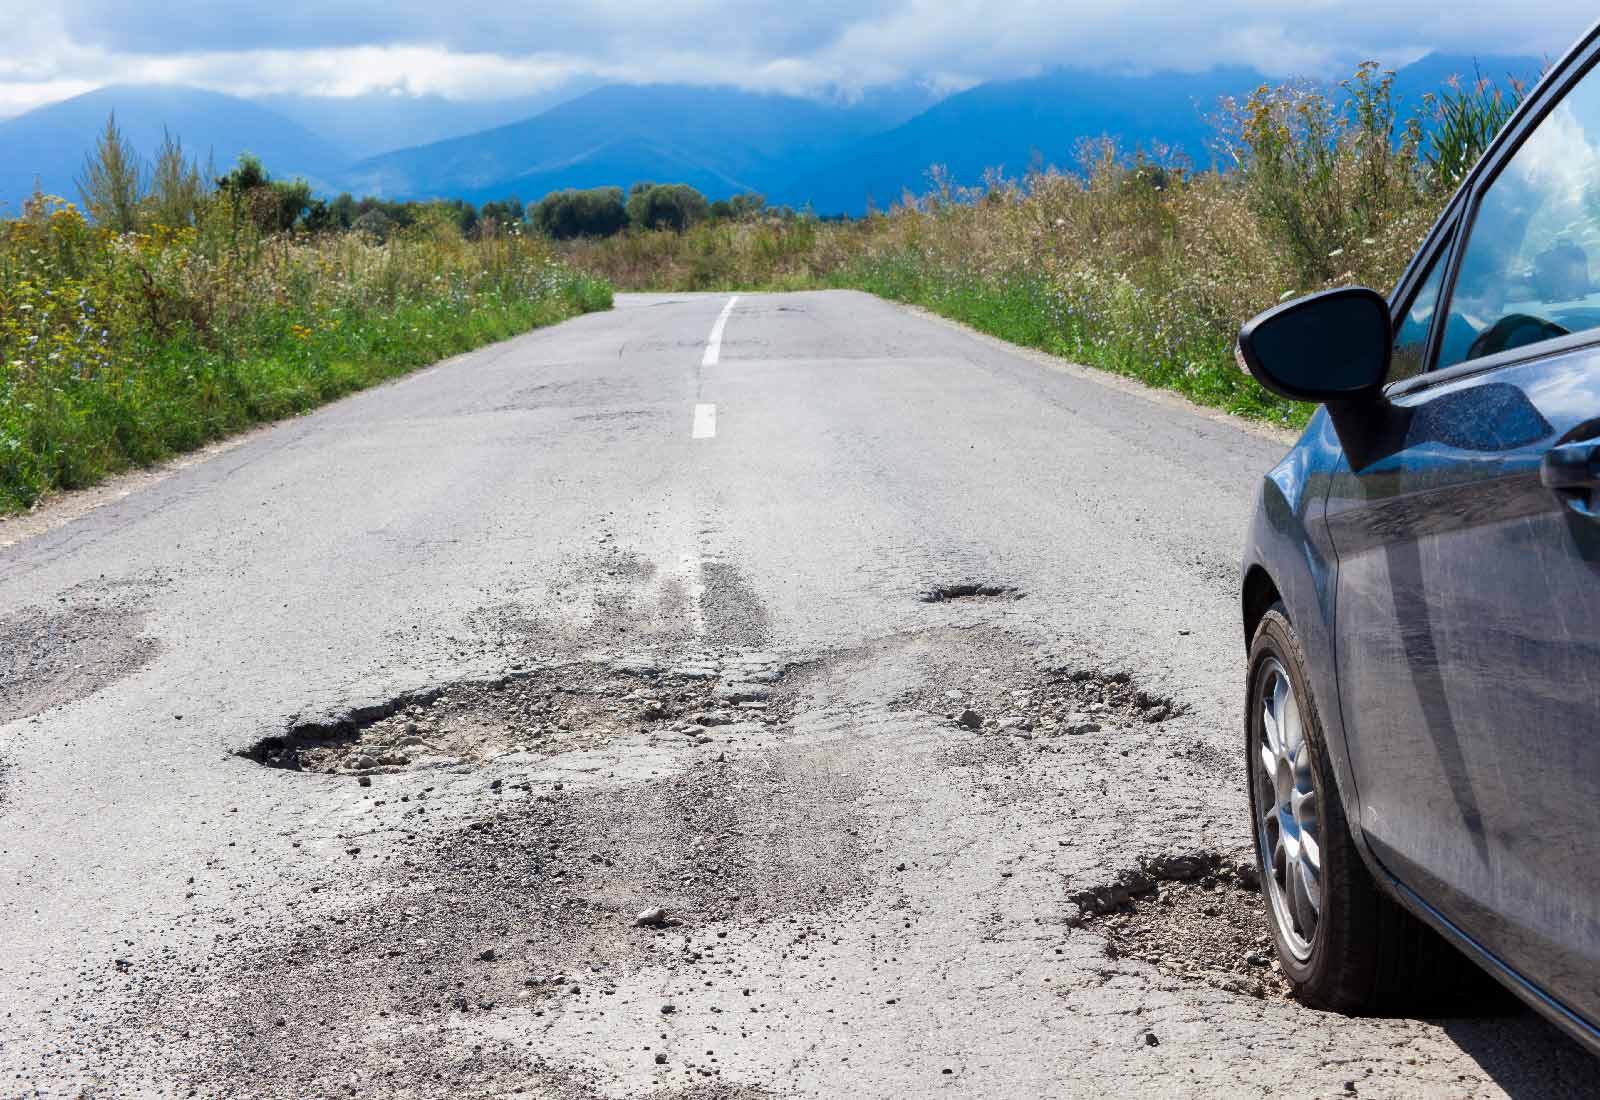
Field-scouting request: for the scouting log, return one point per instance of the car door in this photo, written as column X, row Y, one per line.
column 1467, row 609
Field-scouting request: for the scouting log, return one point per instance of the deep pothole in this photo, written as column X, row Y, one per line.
column 970, row 592
column 1056, row 701
column 1193, row 914
column 529, row 713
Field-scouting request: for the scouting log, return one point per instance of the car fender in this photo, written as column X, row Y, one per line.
column 1289, row 547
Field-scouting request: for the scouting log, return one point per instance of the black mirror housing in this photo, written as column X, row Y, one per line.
column 1328, row 347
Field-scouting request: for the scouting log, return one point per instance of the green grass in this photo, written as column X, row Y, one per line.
column 122, row 351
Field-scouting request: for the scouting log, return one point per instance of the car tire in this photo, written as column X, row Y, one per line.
column 1362, row 953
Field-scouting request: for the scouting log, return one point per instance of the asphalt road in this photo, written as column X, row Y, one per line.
column 627, row 614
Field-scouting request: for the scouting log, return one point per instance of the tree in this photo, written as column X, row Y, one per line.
column 374, row 222
column 674, row 206
column 502, row 215
column 112, row 185
column 178, row 189
column 598, row 212
column 342, row 211
column 274, row 205
column 742, row 207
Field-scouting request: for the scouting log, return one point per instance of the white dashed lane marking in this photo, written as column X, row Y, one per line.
column 714, row 345
column 705, row 422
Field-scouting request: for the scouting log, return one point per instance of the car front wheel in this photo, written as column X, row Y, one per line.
column 1343, row 944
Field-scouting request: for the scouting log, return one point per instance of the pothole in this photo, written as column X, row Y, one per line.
column 970, row 592
column 1192, row 914
column 1061, row 700
column 439, row 939
column 53, row 658
column 531, row 713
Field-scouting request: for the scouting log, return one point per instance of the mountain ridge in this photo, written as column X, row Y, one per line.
column 833, row 156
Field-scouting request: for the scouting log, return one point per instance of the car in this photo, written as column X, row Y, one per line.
column 1421, row 598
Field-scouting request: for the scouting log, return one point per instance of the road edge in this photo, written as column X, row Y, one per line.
column 1108, row 379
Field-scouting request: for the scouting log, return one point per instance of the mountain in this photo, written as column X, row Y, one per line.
column 1016, row 124
column 377, row 122
column 1013, row 124
column 836, row 153
column 50, row 142
column 721, row 140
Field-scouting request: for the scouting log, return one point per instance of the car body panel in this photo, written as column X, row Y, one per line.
column 1467, row 631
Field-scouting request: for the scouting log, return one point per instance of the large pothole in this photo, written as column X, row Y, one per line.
column 530, row 713
column 424, row 976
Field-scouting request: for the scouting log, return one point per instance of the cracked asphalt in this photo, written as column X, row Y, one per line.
column 499, row 731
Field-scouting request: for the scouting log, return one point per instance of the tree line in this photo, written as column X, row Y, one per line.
column 122, row 191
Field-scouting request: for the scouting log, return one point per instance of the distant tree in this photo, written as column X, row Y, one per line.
column 113, row 181
column 342, row 211
column 740, row 207
column 274, row 205
column 674, row 206
column 247, row 175
column 495, row 216
column 318, row 217
column 178, row 188
column 563, row 215
column 375, row 223
column 504, row 213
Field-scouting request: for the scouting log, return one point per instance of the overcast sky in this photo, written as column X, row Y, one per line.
column 500, row 48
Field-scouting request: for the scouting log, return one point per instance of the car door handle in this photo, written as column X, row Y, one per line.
column 1571, row 466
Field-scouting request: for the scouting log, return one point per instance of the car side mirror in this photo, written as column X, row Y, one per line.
column 1332, row 347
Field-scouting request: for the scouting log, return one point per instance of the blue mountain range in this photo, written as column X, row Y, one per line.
column 837, row 156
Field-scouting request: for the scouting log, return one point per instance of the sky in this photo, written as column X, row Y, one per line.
column 492, row 49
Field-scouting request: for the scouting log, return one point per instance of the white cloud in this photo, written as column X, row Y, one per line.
column 500, row 49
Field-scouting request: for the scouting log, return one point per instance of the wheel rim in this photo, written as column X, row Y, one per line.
column 1288, row 828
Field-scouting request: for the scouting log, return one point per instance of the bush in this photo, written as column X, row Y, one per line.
column 564, row 215
column 674, row 206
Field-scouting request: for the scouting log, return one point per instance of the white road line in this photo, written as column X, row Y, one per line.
column 705, row 422
column 714, row 345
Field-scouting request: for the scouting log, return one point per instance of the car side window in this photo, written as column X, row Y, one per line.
column 1526, row 273
column 1411, row 335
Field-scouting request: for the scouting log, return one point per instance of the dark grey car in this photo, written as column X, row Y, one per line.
column 1422, row 597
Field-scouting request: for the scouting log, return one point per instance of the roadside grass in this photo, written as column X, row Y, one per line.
column 121, row 349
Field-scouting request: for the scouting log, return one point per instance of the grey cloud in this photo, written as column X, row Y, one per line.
column 603, row 28
column 489, row 48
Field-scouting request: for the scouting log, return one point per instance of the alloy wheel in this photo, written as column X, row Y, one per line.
column 1287, row 824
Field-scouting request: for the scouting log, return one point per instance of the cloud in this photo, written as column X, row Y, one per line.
column 498, row 49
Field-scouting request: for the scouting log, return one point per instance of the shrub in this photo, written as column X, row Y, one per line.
column 674, row 206
column 564, row 215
